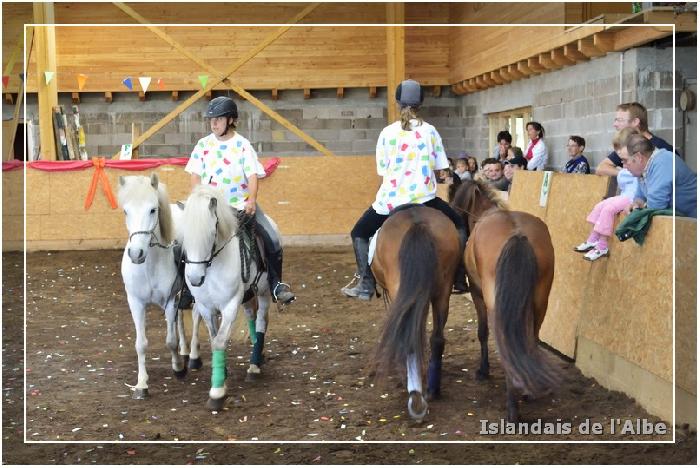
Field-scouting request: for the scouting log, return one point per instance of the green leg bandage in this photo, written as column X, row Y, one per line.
column 251, row 331
column 218, row 369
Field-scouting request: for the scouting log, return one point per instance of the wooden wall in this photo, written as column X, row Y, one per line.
column 304, row 57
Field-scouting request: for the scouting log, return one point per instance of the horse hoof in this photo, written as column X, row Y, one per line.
column 481, row 375
column 417, row 406
column 181, row 374
column 140, row 394
column 252, row 377
column 195, row 363
column 216, row 404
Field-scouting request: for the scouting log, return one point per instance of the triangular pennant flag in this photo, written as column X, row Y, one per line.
column 160, row 83
column 5, row 80
column 82, row 78
column 127, row 83
column 145, row 81
column 48, row 75
column 203, row 79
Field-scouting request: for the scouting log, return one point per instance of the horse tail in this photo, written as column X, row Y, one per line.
column 404, row 329
column 516, row 279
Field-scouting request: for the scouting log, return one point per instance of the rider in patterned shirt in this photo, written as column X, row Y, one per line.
column 226, row 160
column 409, row 152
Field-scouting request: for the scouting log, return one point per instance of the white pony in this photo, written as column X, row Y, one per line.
column 218, row 274
column 149, row 268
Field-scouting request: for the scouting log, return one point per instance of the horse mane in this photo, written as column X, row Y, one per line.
column 197, row 215
column 467, row 191
column 139, row 188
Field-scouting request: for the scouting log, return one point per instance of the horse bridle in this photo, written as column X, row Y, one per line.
column 152, row 235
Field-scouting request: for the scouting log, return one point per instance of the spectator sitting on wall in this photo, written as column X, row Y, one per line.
column 536, row 153
column 503, row 142
column 654, row 167
column 602, row 217
column 493, row 174
column 631, row 114
column 513, row 164
column 577, row 163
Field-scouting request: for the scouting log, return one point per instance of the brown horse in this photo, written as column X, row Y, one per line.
column 510, row 265
column 416, row 257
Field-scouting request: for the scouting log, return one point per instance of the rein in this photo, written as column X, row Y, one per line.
column 247, row 255
column 153, row 241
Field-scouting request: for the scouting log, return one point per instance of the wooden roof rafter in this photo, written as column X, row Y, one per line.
column 220, row 77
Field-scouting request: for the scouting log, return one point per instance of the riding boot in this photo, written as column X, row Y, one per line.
column 460, row 280
column 186, row 298
column 281, row 292
column 365, row 287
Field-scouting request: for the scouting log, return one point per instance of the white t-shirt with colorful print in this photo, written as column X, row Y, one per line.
column 226, row 165
column 406, row 160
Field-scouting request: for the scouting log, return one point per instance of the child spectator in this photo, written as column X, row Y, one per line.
column 602, row 217
column 462, row 169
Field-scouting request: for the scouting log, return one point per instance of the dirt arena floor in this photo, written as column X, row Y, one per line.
column 80, row 359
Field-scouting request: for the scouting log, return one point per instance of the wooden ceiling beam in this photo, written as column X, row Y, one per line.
column 514, row 72
column 524, row 69
column 459, row 88
column 372, row 92
column 75, row 97
column 632, row 37
column 547, row 62
column 108, row 97
column 480, row 83
column 533, row 64
column 604, row 41
column 339, row 93
column 496, row 77
column 558, row 57
column 586, row 48
column 275, row 94
column 307, row 93
column 571, row 52
column 486, row 77
column 437, row 91
column 469, row 86
column 175, row 95
column 505, row 76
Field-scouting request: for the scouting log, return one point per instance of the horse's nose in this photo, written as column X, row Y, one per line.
column 137, row 256
column 197, row 281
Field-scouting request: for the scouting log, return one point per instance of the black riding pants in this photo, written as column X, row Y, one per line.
column 370, row 221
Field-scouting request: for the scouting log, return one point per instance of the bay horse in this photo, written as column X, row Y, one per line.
column 218, row 272
column 509, row 260
column 149, row 268
column 416, row 257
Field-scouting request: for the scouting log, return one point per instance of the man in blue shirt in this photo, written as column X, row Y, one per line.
column 634, row 115
column 654, row 167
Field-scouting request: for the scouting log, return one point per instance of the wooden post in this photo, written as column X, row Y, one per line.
column 135, row 133
column 395, row 55
column 45, row 47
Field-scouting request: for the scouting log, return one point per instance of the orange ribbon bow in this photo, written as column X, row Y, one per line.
column 99, row 174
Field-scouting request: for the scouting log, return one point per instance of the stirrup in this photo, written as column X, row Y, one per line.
column 287, row 301
column 353, row 282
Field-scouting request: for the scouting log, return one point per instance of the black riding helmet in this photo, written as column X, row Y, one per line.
column 409, row 93
column 222, row 106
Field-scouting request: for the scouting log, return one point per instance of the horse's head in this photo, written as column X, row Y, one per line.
column 148, row 218
column 210, row 223
column 472, row 199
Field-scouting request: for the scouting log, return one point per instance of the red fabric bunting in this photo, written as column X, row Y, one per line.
column 269, row 164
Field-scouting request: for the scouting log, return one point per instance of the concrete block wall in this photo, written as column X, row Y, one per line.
column 347, row 126
column 581, row 100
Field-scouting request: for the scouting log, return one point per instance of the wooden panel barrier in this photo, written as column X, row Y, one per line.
column 614, row 315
